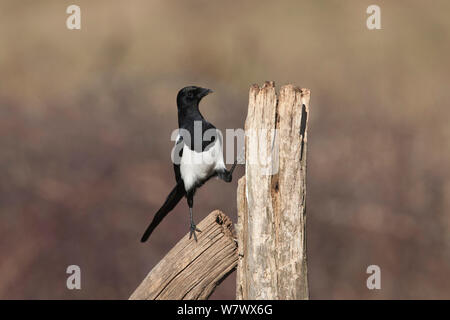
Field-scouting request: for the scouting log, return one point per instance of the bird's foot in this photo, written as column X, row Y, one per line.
column 192, row 231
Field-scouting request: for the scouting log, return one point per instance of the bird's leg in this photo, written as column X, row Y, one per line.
column 193, row 227
column 232, row 168
column 226, row 175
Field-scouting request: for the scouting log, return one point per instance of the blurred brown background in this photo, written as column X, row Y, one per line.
column 86, row 118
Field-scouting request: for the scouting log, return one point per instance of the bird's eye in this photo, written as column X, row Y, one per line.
column 190, row 94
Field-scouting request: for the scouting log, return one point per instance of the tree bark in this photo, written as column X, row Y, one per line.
column 192, row 270
column 271, row 196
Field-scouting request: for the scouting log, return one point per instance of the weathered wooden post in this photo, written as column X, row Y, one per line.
column 271, row 196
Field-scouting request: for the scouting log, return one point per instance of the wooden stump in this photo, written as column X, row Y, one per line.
column 271, row 196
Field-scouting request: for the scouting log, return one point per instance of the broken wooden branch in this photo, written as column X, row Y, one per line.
column 192, row 270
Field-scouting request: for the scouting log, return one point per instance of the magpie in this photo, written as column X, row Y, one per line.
column 197, row 158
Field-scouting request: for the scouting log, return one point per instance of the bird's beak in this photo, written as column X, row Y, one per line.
column 205, row 92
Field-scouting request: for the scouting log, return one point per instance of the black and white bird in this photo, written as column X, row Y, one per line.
column 198, row 156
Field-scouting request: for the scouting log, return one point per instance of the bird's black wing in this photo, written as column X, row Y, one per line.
column 178, row 153
column 211, row 137
column 207, row 139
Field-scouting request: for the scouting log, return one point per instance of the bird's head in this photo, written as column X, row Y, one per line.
column 191, row 96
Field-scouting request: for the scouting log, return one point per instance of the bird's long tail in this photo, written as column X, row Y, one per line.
column 172, row 200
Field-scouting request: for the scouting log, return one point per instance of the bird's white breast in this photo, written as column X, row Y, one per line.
column 197, row 166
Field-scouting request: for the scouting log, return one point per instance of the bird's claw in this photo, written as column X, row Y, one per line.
column 192, row 232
